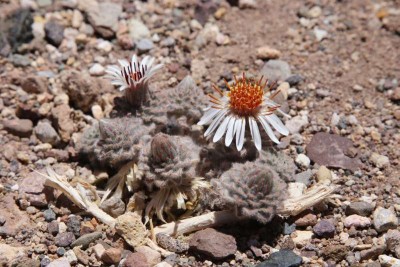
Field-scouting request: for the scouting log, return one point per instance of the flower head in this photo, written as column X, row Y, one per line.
column 132, row 77
column 245, row 101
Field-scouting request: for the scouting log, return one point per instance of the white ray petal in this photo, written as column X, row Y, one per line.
column 208, row 115
column 221, row 129
column 144, row 61
column 230, row 133
column 215, row 123
column 277, row 124
column 150, row 62
column 123, row 62
column 240, row 135
column 255, row 132
column 134, row 60
column 268, row 129
column 283, row 113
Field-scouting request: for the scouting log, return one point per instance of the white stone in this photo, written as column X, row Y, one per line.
column 247, row 4
column 335, row 119
column 138, row 30
column 379, row 161
column 296, row 189
column 97, row 112
column 296, row 124
column 104, row 45
column 352, row 120
column 71, row 257
column 96, row 70
column 77, row 19
column 38, row 29
column 356, row 221
column 320, row 34
column 98, row 250
column 303, row 160
column 163, row 264
column 301, row 238
column 62, row 227
column 388, row 261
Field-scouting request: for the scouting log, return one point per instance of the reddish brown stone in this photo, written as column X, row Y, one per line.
column 213, row 244
column 330, row 150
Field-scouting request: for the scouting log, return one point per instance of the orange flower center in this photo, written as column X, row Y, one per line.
column 245, row 96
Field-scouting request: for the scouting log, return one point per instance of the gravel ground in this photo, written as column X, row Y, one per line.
column 337, row 63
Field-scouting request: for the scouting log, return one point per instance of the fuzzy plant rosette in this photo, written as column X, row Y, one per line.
column 165, row 171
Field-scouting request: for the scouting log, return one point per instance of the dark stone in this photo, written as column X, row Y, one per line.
column 213, row 244
column 361, row 208
column 282, row 258
column 19, row 60
column 74, row 225
column 45, row 261
column 372, row 253
column 54, row 32
column 329, row 150
column 49, row 215
column 324, row 228
column 288, row 228
column 85, row 240
column 64, row 239
column 335, row 252
column 15, row 30
column 203, row 10
column 294, row 79
column 53, row 227
column 60, row 251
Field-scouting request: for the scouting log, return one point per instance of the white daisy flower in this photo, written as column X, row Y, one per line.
column 245, row 102
column 132, row 77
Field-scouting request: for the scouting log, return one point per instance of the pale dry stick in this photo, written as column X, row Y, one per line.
column 290, row 207
column 78, row 197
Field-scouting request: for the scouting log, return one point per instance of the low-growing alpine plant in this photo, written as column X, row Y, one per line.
column 172, row 170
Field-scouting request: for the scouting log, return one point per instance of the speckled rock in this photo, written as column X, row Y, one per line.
column 282, row 258
column 361, row 208
column 357, row 221
column 384, row 219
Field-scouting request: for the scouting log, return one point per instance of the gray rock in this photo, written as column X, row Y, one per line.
column 294, row 79
column 361, row 208
column 297, row 124
column 21, row 128
column 104, row 18
column 392, row 239
column 168, row 42
column 329, row 150
column 46, row 133
column 304, row 177
column 54, row 32
column 276, row 70
column 324, row 228
column 49, row 215
column 384, row 219
column 74, row 225
column 282, row 258
column 113, row 206
column 144, row 45
column 137, row 30
column 213, row 244
column 64, row 239
column 19, row 60
column 85, row 240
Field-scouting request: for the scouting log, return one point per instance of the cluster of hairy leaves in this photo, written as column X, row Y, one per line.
column 254, row 190
column 168, row 161
column 167, row 106
column 113, row 142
